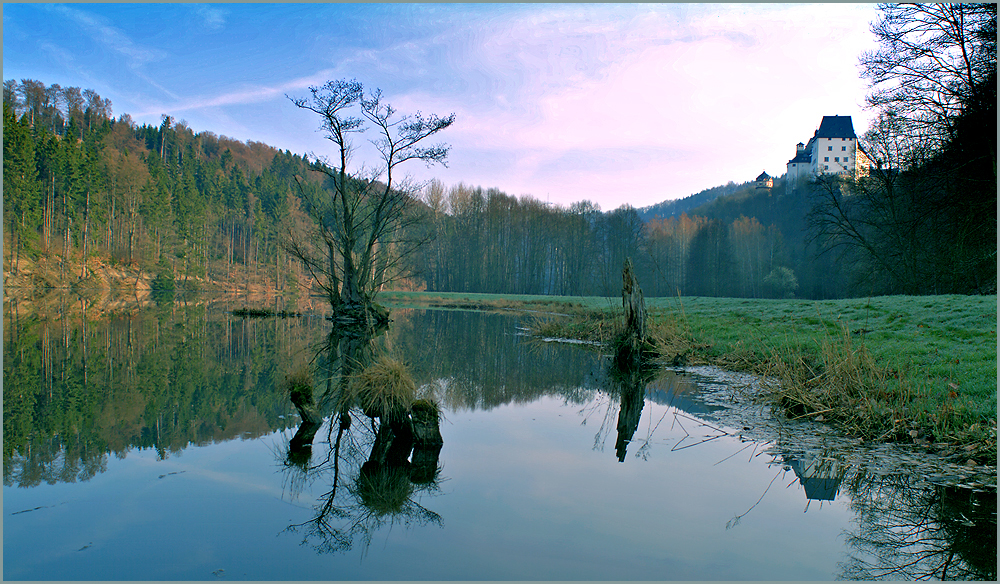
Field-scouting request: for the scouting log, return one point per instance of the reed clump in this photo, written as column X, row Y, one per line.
column 592, row 326
column 843, row 383
column 264, row 313
column 384, row 388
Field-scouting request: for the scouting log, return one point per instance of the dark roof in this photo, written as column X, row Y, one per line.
column 804, row 155
column 763, row 176
column 836, row 127
column 801, row 157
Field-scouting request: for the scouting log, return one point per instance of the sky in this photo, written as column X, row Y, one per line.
column 612, row 103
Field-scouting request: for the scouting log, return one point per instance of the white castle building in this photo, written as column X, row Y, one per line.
column 833, row 149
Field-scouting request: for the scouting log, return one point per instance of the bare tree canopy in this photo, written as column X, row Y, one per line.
column 365, row 221
column 931, row 60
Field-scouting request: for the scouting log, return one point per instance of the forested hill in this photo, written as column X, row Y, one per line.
column 195, row 208
column 677, row 207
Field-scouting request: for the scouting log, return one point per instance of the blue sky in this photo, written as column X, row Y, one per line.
column 613, row 103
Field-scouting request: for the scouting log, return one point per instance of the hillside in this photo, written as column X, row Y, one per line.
column 677, row 207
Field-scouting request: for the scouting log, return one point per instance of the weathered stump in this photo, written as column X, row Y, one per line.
column 300, row 447
column 425, row 424
column 632, row 341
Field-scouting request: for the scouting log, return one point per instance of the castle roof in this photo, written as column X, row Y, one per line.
column 836, row 127
column 802, row 156
column 763, row 176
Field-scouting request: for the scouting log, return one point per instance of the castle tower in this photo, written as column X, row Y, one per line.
column 834, row 146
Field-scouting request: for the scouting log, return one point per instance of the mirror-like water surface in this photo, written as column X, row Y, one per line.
column 160, row 444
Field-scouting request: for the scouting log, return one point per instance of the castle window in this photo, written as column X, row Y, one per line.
column 843, row 148
column 826, row 159
column 845, row 159
column 826, row 167
column 837, row 159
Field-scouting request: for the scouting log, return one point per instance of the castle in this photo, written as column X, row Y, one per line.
column 833, row 148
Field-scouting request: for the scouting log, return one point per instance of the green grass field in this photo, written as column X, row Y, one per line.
column 941, row 351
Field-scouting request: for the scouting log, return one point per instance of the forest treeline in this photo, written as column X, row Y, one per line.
column 488, row 241
column 198, row 207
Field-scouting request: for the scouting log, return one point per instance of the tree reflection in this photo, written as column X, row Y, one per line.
column 905, row 528
column 629, row 389
column 910, row 532
column 389, row 458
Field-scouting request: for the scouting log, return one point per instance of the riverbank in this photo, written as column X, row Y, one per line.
column 40, row 274
column 918, row 369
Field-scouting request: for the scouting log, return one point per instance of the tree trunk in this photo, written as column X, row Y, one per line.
column 634, row 303
column 86, row 234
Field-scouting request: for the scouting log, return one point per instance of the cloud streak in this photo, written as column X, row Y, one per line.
column 247, row 96
column 136, row 57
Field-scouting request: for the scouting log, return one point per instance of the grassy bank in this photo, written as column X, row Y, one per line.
column 910, row 368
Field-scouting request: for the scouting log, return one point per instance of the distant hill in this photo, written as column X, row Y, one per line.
column 676, row 207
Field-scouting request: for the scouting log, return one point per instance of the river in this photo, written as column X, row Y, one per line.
column 155, row 442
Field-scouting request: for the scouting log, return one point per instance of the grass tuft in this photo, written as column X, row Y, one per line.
column 384, row 388
column 426, row 409
column 299, row 386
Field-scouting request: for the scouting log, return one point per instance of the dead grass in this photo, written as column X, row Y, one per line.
column 843, row 383
column 385, row 387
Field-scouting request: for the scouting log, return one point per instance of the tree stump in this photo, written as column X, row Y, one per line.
column 633, row 337
column 425, row 422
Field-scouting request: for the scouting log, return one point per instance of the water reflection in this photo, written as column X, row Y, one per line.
column 82, row 383
column 820, row 475
column 904, row 528
column 905, row 532
column 623, row 395
column 390, row 457
column 80, row 388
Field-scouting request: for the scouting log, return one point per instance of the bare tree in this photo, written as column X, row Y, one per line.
column 931, row 59
column 365, row 220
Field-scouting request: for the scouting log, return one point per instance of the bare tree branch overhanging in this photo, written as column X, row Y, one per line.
column 930, row 61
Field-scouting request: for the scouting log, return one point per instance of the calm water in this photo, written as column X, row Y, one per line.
column 158, row 444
